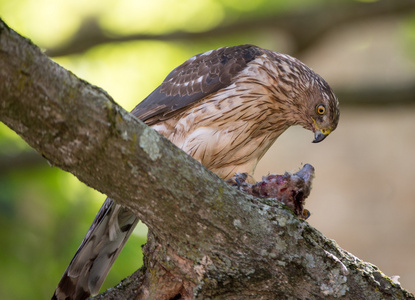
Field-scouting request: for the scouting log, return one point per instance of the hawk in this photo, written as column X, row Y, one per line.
column 225, row 108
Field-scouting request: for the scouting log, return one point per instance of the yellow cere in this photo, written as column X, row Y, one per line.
column 323, row 131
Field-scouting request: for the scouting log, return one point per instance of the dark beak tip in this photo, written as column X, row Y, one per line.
column 318, row 137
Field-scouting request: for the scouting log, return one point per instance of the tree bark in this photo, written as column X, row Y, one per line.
column 208, row 240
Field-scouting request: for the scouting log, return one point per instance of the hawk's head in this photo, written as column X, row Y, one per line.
column 322, row 109
column 309, row 99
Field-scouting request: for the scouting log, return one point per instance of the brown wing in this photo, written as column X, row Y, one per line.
column 196, row 78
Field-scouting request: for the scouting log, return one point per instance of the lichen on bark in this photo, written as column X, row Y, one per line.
column 208, row 240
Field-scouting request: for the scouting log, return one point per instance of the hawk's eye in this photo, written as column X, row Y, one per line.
column 321, row 110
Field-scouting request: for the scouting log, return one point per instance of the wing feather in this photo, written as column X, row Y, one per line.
column 193, row 80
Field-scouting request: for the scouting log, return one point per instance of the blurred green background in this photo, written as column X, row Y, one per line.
column 363, row 196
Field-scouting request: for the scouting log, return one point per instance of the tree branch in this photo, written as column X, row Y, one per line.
column 208, row 239
column 377, row 95
column 296, row 25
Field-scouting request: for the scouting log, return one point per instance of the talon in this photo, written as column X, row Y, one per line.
column 238, row 183
column 306, row 214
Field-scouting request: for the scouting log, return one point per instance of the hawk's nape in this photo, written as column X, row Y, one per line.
column 224, row 107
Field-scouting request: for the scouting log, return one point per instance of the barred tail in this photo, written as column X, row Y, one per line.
column 103, row 242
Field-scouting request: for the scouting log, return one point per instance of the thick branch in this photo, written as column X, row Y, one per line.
column 209, row 237
column 296, row 25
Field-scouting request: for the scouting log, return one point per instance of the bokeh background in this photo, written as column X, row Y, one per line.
column 364, row 191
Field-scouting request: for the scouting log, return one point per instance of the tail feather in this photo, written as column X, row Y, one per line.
column 95, row 256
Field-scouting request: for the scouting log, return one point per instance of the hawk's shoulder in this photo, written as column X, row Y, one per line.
column 193, row 80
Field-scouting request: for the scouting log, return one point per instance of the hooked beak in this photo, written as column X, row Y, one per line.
column 319, row 136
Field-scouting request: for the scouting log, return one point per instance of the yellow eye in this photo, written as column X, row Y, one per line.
column 321, row 109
